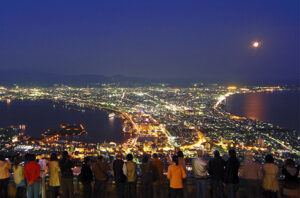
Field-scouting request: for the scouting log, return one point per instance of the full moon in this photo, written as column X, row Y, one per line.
column 255, row 44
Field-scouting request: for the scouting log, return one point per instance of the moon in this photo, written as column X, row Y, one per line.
column 256, row 44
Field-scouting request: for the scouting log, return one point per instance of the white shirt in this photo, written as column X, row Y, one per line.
column 199, row 168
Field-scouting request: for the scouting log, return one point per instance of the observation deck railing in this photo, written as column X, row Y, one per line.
column 111, row 192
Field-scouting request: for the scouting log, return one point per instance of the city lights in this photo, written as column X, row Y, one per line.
column 155, row 119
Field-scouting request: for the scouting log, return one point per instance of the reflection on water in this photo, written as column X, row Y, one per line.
column 39, row 116
column 279, row 108
column 254, row 107
column 111, row 122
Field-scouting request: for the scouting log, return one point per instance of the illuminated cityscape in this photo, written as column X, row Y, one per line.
column 149, row 99
column 156, row 119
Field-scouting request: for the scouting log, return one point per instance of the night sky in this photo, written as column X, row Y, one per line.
column 152, row 38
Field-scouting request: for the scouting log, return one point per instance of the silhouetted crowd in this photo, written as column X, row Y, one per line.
column 223, row 176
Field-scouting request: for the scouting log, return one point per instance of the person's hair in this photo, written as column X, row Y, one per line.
column 216, row 153
column 27, row 157
column 145, row 159
column 86, row 160
column 53, row 157
column 269, row 158
column 175, row 159
column 179, row 154
column 155, row 156
column 65, row 154
column 119, row 155
column 200, row 153
column 129, row 157
column 289, row 163
column 100, row 157
column 32, row 158
column 2, row 158
column 232, row 153
column 17, row 161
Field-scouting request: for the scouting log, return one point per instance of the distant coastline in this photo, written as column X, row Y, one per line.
column 260, row 106
column 47, row 114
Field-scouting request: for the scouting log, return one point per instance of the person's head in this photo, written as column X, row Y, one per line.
column 119, row 155
column 175, row 159
column 289, row 163
column 248, row 156
column 269, row 158
column 27, row 157
column 179, row 154
column 65, row 154
column 232, row 153
column 155, row 156
column 32, row 158
column 87, row 160
column 100, row 158
column 17, row 161
column 145, row 159
column 129, row 157
column 216, row 153
column 200, row 153
column 53, row 157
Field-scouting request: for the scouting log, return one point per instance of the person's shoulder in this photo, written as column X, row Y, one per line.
column 256, row 164
column 236, row 160
column 203, row 161
column 132, row 163
column 265, row 166
column 118, row 161
column 28, row 164
column 37, row 165
column 157, row 162
column 171, row 166
column 94, row 165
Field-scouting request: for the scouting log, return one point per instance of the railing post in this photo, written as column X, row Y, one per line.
column 43, row 187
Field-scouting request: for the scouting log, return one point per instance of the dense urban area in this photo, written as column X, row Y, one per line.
column 157, row 119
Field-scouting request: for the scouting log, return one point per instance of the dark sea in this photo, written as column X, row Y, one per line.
column 279, row 108
column 38, row 116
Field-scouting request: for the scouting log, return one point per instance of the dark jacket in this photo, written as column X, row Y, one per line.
column 86, row 175
column 100, row 170
column 118, row 171
column 32, row 172
column 216, row 168
column 66, row 166
column 290, row 177
column 146, row 173
column 231, row 171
